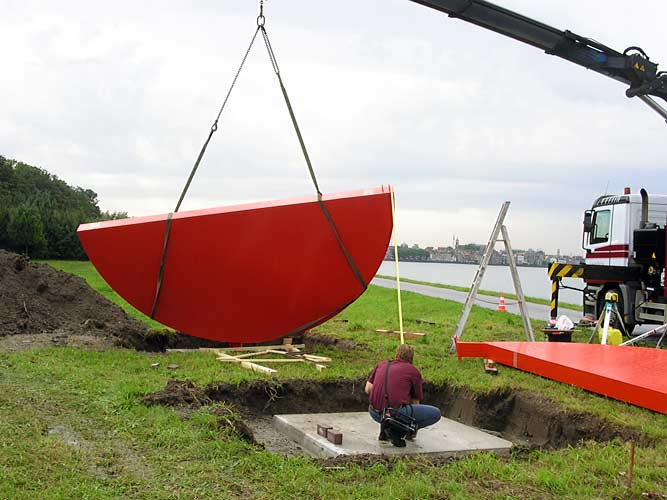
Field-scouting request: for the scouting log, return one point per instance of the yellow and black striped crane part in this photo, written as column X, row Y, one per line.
column 557, row 270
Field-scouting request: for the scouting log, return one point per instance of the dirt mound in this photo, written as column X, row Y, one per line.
column 313, row 339
column 178, row 393
column 37, row 300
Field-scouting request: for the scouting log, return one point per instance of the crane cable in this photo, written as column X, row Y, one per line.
column 261, row 21
column 325, row 211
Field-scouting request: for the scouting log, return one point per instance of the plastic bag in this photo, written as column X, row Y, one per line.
column 564, row 323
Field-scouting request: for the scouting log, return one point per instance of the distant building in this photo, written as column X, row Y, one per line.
column 471, row 253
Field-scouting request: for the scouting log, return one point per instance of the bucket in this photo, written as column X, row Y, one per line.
column 559, row 336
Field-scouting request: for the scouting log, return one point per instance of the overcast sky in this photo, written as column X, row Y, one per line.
column 119, row 96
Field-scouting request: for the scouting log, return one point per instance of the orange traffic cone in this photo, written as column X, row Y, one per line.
column 501, row 303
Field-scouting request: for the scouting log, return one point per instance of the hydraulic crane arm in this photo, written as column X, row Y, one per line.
column 631, row 67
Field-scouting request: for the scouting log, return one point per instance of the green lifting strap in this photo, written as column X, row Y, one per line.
column 261, row 20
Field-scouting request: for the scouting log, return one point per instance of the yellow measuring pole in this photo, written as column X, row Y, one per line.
column 398, row 279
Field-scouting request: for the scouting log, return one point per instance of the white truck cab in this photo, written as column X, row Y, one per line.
column 613, row 222
column 624, row 240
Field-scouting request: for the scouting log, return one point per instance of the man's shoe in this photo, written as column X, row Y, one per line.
column 398, row 442
column 412, row 436
column 383, row 436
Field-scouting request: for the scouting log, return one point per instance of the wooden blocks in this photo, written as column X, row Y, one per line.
column 291, row 353
column 490, row 367
column 333, row 435
column 222, row 356
column 246, row 357
column 425, row 321
column 336, row 437
column 322, row 429
column 407, row 335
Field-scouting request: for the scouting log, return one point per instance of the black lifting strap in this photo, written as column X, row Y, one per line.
column 386, row 388
column 214, row 128
column 323, row 206
column 260, row 27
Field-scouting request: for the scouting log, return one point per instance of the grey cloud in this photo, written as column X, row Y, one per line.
column 458, row 119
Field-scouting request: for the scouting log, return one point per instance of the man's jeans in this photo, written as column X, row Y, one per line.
column 425, row 415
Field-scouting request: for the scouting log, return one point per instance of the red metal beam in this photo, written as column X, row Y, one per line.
column 636, row 375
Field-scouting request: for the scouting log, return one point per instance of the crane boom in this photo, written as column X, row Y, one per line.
column 631, row 67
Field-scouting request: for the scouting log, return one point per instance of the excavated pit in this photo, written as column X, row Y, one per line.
column 525, row 418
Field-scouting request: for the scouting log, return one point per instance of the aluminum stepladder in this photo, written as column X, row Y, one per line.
column 498, row 228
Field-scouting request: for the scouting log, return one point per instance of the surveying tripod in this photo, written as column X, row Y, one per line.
column 610, row 307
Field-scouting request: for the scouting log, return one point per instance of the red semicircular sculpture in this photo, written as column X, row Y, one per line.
column 246, row 273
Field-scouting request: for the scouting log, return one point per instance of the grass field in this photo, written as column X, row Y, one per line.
column 104, row 443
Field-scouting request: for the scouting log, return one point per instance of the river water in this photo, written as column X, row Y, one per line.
column 534, row 280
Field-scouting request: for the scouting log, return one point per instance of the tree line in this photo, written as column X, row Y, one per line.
column 39, row 213
column 413, row 254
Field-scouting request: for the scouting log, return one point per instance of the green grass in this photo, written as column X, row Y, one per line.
column 534, row 300
column 127, row 450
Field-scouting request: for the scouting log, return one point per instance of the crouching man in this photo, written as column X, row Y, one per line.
column 404, row 389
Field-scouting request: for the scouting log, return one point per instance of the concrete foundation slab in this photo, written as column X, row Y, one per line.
column 360, row 436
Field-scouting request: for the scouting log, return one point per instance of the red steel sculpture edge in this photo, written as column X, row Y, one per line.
column 630, row 374
column 246, row 273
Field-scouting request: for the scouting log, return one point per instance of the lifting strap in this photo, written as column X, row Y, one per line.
column 213, row 130
column 386, row 388
column 325, row 211
column 261, row 20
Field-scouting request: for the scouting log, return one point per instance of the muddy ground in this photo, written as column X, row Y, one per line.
column 41, row 306
column 526, row 419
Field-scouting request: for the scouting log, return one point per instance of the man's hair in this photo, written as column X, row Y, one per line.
column 405, row 352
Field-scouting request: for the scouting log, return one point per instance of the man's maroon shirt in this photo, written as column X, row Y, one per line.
column 405, row 384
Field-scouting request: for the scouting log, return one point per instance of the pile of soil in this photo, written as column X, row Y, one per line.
column 313, row 339
column 178, row 393
column 37, row 299
column 40, row 305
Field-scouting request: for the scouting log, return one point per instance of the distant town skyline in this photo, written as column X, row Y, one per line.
column 457, row 240
column 472, row 253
